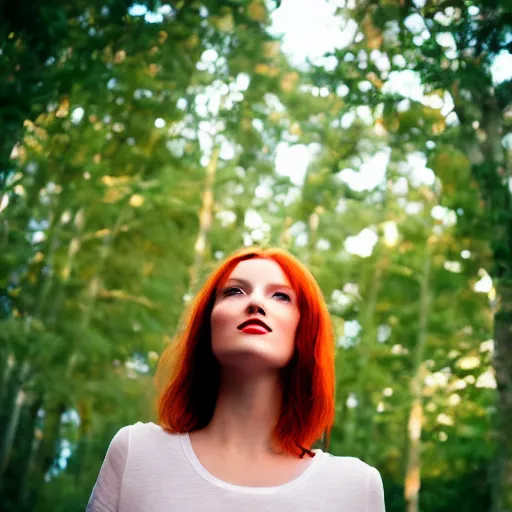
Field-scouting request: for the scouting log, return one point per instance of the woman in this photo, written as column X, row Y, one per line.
column 246, row 388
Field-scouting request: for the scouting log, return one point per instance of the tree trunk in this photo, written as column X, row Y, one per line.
column 413, row 471
column 502, row 489
column 489, row 168
column 314, row 223
column 28, row 459
column 7, row 364
column 11, row 411
column 205, row 218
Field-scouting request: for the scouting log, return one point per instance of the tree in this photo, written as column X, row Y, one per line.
column 448, row 49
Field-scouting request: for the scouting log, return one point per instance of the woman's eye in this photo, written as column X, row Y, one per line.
column 232, row 291
column 285, row 296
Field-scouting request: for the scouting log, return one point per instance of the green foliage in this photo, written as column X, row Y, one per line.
column 132, row 139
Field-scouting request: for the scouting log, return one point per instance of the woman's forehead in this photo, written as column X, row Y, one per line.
column 259, row 269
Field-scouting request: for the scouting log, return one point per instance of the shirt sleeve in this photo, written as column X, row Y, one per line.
column 375, row 492
column 106, row 491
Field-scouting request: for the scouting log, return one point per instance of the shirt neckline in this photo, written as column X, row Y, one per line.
column 204, row 473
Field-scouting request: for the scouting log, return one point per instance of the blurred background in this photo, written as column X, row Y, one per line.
column 142, row 143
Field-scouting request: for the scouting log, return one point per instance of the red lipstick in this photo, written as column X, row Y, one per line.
column 254, row 326
column 254, row 329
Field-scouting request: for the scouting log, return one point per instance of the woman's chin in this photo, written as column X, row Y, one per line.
column 250, row 359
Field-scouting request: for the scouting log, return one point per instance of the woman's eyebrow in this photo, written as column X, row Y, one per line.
column 247, row 283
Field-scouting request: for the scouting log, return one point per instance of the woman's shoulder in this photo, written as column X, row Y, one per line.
column 343, row 460
column 352, row 466
column 140, row 434
column 358, row 478
column 146, row 428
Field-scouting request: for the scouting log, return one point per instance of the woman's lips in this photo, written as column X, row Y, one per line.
column 254, row 329
column 257, row 323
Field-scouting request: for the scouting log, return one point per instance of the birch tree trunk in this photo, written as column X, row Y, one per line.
column 413, row 471
column 13, row 404
column 313, row 224
column 205, row 218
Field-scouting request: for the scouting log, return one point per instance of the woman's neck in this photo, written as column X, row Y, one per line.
column 246, row 412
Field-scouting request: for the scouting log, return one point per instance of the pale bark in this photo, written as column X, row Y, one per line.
column 6, row 369
column 14, row 403
column 415, row 424
column 286, row 237
column 314, row 223
column 205, row 218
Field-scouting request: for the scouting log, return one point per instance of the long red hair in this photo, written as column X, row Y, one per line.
column 188, row 373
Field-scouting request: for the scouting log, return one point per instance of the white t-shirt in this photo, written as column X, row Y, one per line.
column 149, row 470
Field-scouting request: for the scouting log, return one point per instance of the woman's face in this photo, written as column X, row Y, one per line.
column 255, row 317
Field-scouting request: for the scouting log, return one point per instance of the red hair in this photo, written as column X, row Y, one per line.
column 188, row 373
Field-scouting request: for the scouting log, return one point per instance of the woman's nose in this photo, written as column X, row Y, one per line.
column 255, row 307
